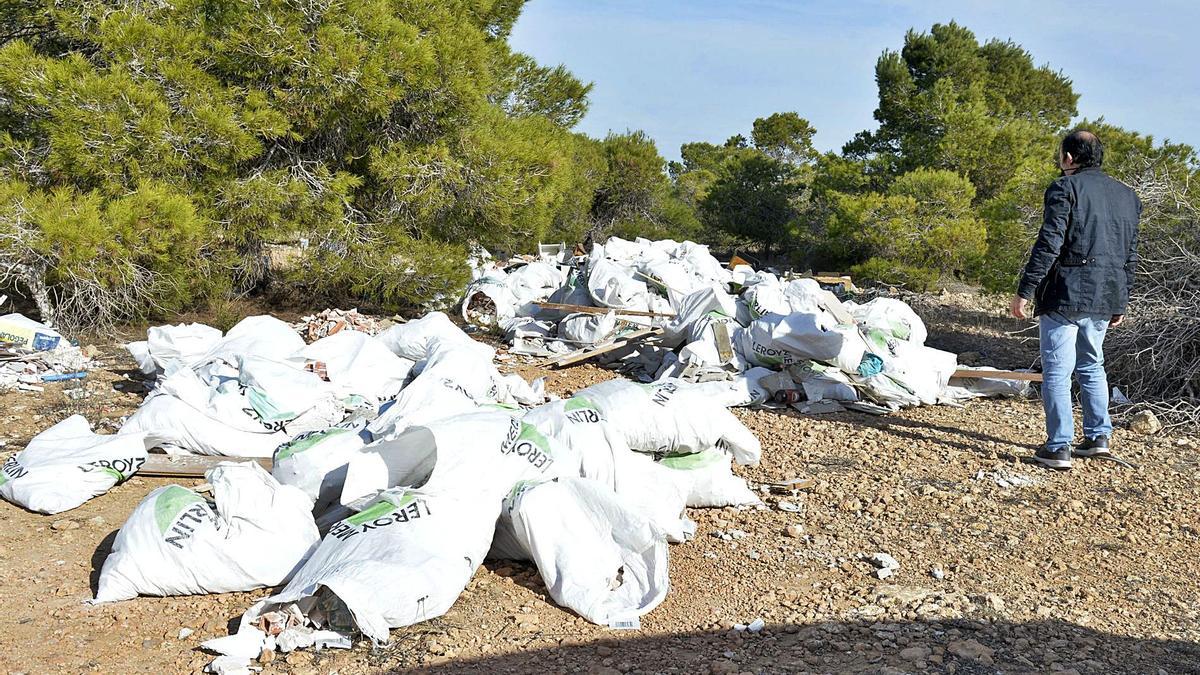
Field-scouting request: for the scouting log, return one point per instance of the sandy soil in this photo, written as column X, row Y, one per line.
column 1093, row 571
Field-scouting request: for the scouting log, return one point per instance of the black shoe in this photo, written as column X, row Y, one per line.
column 1092, row 447
column 1053, row 459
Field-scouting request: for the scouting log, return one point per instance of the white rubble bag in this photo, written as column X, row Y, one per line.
column 488, row 301
column 693, row 308
column 534, row 283
column 404, row 558
column 780, row 340
column 481, row 453
column 281, row 391
column 414, row 339
column 262, row 335
column 357, row 363
column 170, row 347
column 613, row 285
column 671, row 417
column 315, row 462
column 708, row 479
column 891, row 316
column 67, row 464
column 587, row 329
column 596, row 554
column 176, row 543
column 823, row 382
column 455, row 378
column 184, row 415
column 603, row 456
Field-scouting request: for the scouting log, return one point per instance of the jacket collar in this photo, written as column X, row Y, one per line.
column 1087, row 169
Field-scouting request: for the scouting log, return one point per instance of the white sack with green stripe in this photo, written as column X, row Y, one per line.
column 176, row 542
column 67, row 464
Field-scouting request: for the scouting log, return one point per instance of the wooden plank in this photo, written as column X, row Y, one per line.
column 585, row 354
column 586, row 309
column 997, row 375
column 189, row 466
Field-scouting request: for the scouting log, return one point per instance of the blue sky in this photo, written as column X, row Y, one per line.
column 704, row 69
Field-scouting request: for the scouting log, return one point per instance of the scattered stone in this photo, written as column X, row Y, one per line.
column 917, row 653
column 794, row 531
column 885, row 565
column 972, row 650
column 185, row 633
column 64, row 524
column 98, row 521
column 938, row 573
column 1145, row 423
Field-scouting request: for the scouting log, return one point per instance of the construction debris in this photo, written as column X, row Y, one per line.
column 687, row 316
column 330, row 321
column 32, row 353
column 393, row 460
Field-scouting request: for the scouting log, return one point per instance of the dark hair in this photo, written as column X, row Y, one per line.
column 1084, row 147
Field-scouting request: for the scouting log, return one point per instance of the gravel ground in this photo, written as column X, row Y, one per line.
column 1003, row 566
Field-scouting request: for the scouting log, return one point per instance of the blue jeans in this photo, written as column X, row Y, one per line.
column 1074, row 342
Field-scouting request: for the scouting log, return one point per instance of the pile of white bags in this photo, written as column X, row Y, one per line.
column 720, row 323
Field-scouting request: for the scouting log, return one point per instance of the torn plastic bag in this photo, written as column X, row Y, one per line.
column 414, row 339
column 482, row 454
column 67, row 464
column 596, row 555
column 671, row 417
column 587, row 329
column 315, row 462
column 488, row 301
column 404, row 558
column 176, row 543
column 708, row 479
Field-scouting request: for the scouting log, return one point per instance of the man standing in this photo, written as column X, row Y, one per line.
column 1079, row 275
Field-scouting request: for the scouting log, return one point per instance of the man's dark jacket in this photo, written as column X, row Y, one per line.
column 1086, row 251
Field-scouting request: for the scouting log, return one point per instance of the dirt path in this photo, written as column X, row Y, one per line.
column 1092, row 571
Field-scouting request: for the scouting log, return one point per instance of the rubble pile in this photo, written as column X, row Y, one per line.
column 786, row 338
column 399, row 463
column 32, row 353
column 401, row 460
column 325, row 323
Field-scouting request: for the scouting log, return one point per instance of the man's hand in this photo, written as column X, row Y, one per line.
column 1020, row 307
column 1117, row 320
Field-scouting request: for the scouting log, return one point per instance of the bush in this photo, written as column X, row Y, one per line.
column 893, row 273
